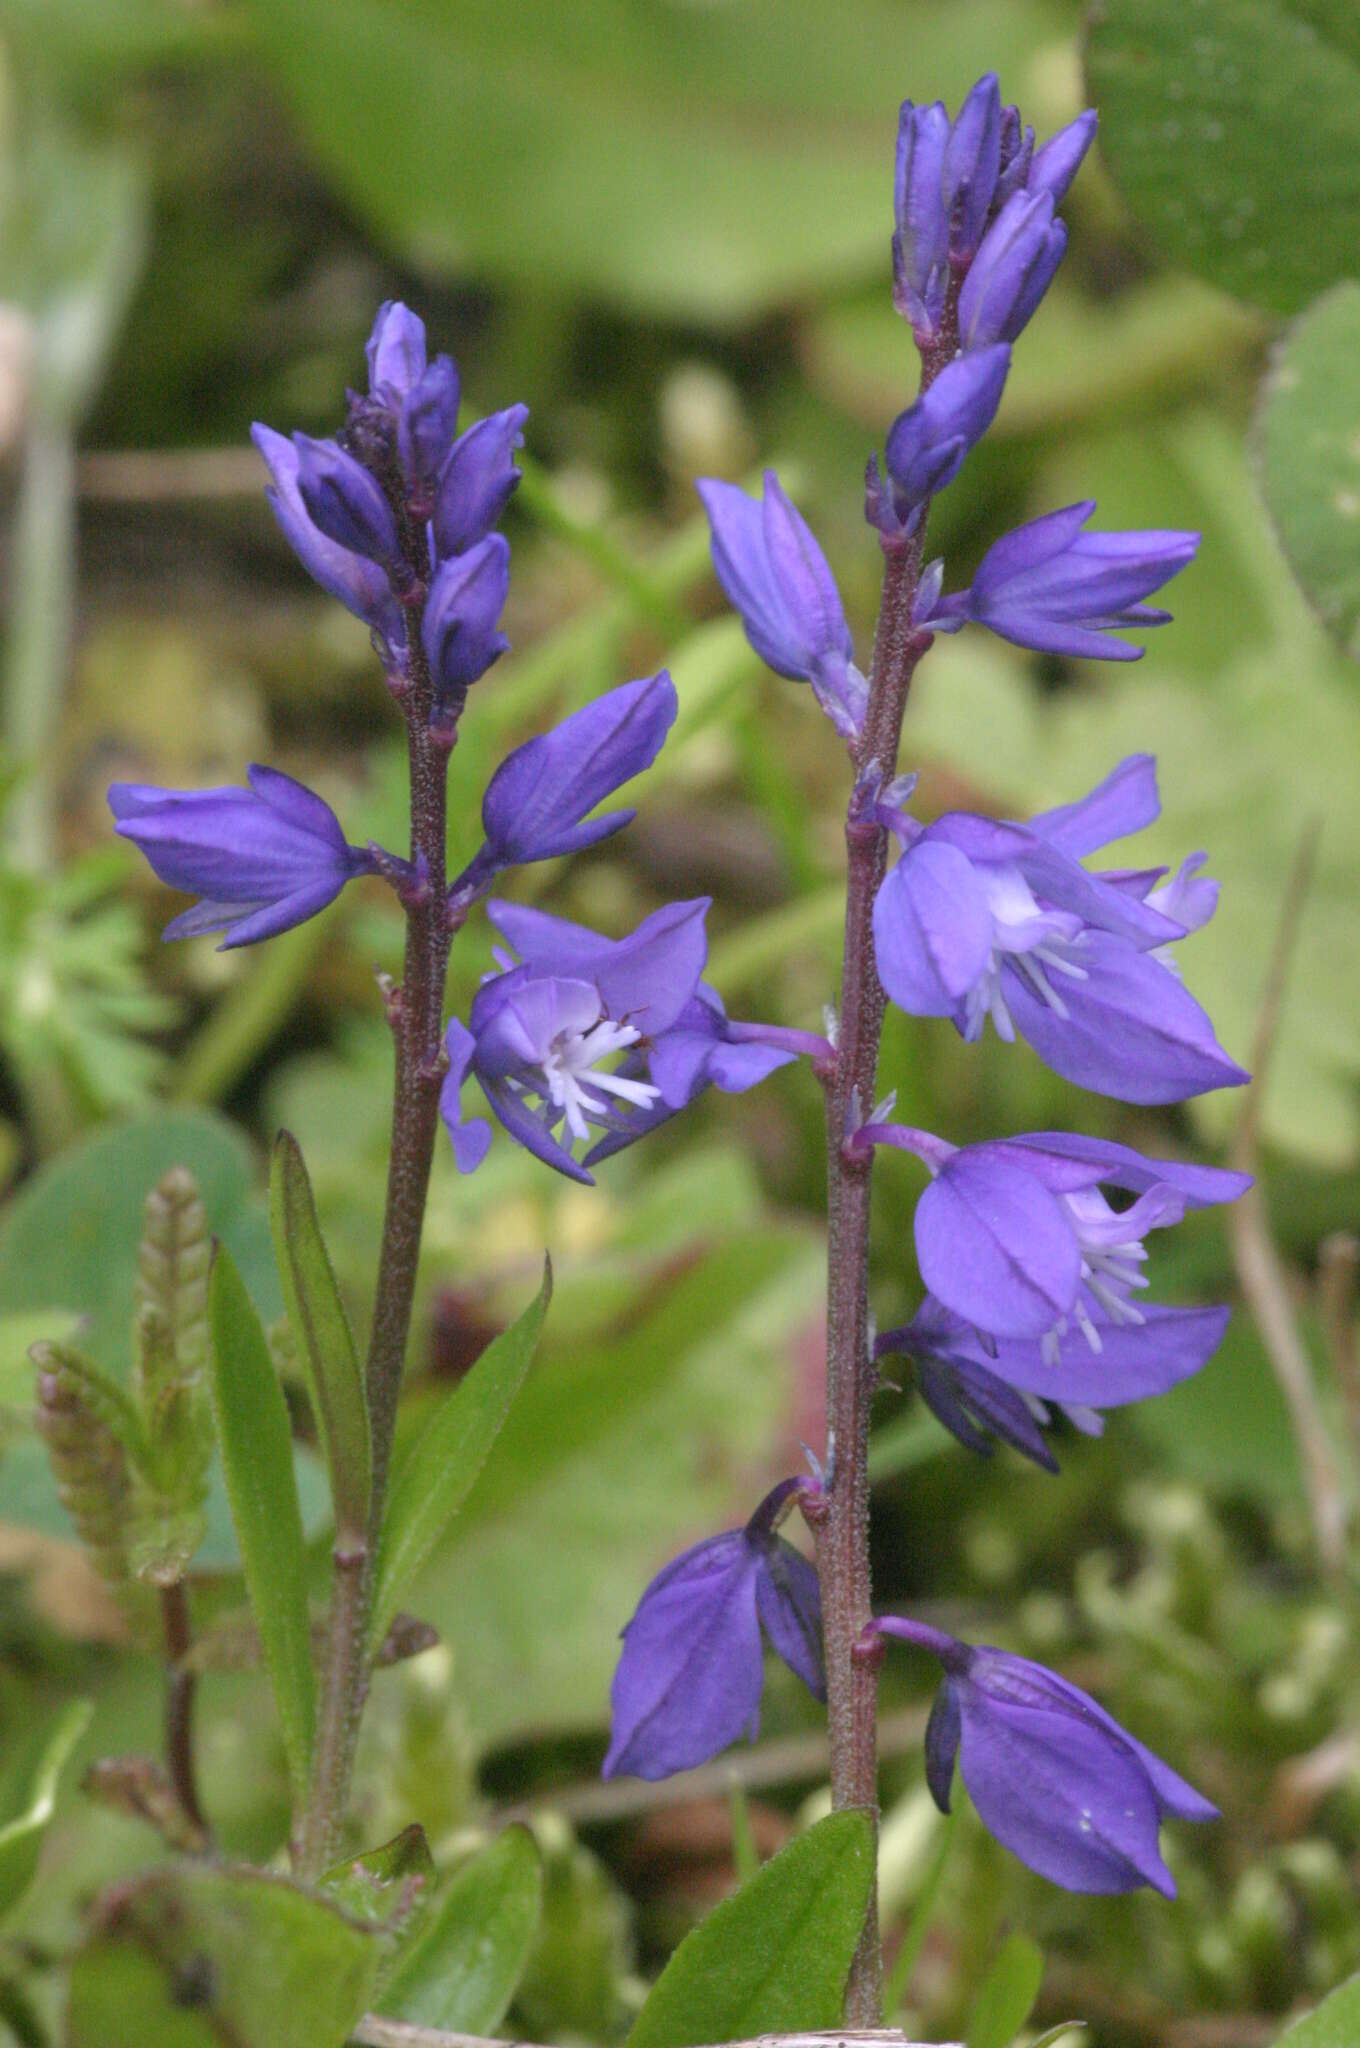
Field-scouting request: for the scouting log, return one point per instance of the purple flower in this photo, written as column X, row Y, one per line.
column 921, row 240
column 1050, row 586
column 428, row 421
column 1015, row 1236
column 478, row 481
column 358, row 582
column 344, row 502
column 702, row 1047
column 1052, row 1775
column 460, row 630
column 395, row 352
column 263, row 859
column 972, row 159
column 690, row 1676
column 538, row 802
column 777, row 577
column 1056, row 163
column 1016, row 156
column 927, row 443
column 1008, row 1387
column 539, row 1034
column 1011, row 272
column 981, row 919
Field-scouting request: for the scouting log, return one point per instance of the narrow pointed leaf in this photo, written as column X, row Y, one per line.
column 773, row 1958
column 1007, row 1993
column 257, row 1457
column 434, row 1479
column 21, row 1833
column 321, row 1332
column 464, row 1967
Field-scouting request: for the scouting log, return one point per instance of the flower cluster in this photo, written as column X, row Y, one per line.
column 580, row 1039
column 1031, row 1248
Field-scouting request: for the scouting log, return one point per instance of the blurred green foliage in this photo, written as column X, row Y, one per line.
column 665, row 225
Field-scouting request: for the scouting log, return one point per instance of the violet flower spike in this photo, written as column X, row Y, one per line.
column 1052, row 587
column 1053, row 1777
column 927, row 443
column 1007, row 1388
column 263, row 858
column 1015, row 1236
column 538, row 1034
column 776, row 576
column 538, row 803
column 359, row 583
column 690, row 1676
column 981, row 919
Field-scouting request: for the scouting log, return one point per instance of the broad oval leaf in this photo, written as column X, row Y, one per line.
column 194, row 1957
column 435, row 1477
column 21, row 1833
column 1308, row 454
column 1006, row 1995
column 464, row 1966
column 550, row 144
column 1334, row 2024
column 257, row 1458
column 773, row 1958
column 324, row 1342
column 1228, row 128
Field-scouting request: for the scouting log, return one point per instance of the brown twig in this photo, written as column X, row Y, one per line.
column 1338, row 1267
column 180, row 1683
column 1260, row 1271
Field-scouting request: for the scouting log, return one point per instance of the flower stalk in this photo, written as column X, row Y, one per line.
column 842, row 1526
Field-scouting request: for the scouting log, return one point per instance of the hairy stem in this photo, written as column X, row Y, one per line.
column 180, row 1681
column 415, row 1011
column 843, row 1523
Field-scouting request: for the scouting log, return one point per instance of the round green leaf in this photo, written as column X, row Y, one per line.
column 1233, row 130
column 692, row 161
column 192, row 1957
column 1308, row 449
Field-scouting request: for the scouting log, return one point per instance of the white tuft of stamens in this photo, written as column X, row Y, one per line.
column 570, row 1064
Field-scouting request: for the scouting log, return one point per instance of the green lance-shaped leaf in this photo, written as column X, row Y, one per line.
column 321, row 1332
column 194, row 1957
column 773, row 1958
column 464, row 1967
column 22, row 1831
column 1007, row 1993
column 257, row 1457
column 1308, row 455
column 1334, row 2024
column 169, row 1380
column 436, row 1475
